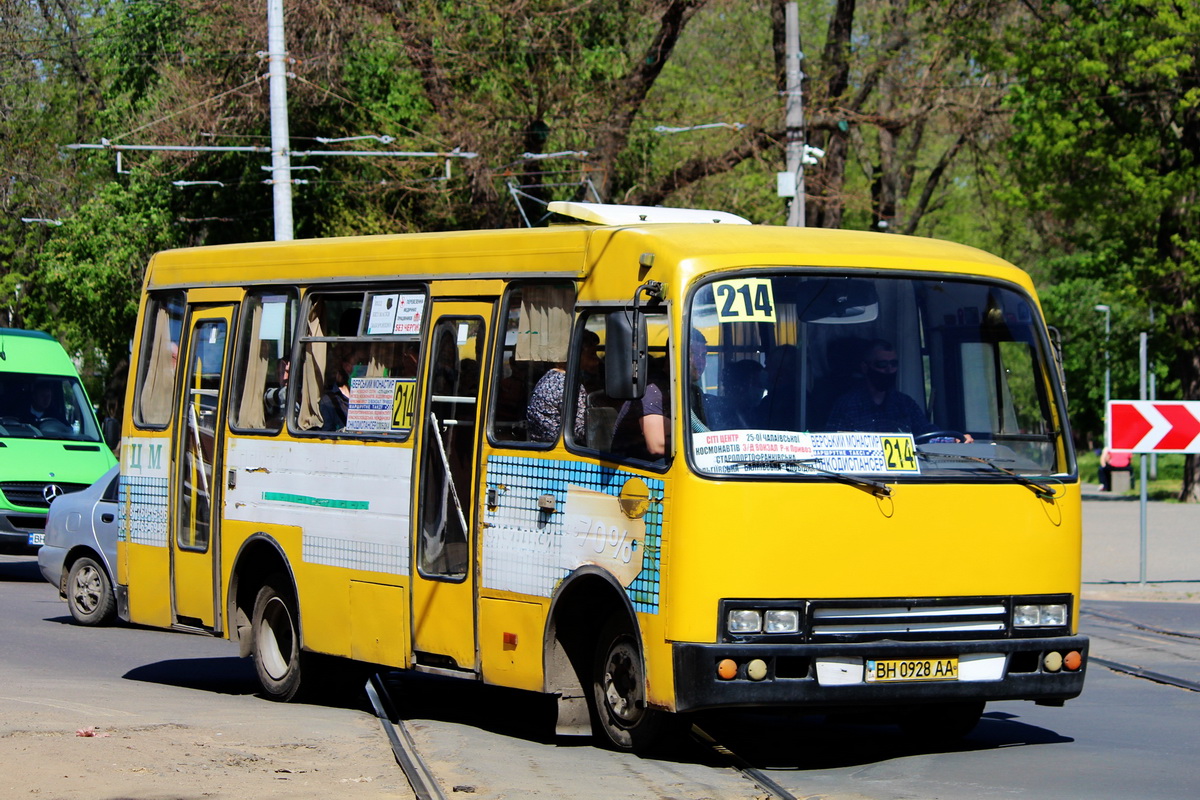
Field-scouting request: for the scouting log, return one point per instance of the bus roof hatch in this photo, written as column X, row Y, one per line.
column 602, row 214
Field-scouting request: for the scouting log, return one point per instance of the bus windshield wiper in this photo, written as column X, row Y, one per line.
column 809, row 465
column 1041, row 491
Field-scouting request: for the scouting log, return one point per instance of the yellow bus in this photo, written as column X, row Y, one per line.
column 649, row 461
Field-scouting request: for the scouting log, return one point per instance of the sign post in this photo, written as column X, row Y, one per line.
column 1149, row 427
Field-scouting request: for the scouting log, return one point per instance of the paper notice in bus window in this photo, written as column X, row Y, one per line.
column 383, row 314
column 409, row 313
column 791, row 452
column 404, row 405
column 597, row 532
column 744, row 300
column 371, row 404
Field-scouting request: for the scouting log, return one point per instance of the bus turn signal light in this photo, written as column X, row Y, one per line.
column 727, row 669
column 1073, row 660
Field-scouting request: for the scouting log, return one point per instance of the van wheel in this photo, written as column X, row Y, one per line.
column 89, row 593
column 622, row 718
column 275, row 632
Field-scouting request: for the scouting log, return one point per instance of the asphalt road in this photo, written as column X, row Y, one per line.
column 186, row 707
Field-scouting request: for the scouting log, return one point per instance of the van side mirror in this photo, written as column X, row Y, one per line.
column 625, row 355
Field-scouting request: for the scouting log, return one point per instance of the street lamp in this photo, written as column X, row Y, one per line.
column 1107, row 371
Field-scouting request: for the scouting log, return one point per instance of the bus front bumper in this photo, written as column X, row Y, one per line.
column 836, row 675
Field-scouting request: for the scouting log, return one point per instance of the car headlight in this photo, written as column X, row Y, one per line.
column 744, row 620
column 1048, row 615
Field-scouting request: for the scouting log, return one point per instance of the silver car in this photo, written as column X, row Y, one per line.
column 81, row 549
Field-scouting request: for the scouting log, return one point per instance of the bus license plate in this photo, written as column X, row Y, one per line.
column 912, row 669
column 37, row 539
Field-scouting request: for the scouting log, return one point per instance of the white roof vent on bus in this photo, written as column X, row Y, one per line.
column 602, row 214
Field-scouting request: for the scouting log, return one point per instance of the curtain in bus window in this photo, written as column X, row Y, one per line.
column 309, row 416
column 379, row 363
column 250, row 409
column 544, row 327
column 158, row 387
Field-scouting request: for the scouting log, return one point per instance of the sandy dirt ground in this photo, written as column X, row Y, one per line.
column 217, row 751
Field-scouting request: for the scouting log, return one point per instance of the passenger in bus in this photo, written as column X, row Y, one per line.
column 543, row 415
column 643, row 425
column 742, row 386
column 878, row 405
column 335, row 403
column 779, row 409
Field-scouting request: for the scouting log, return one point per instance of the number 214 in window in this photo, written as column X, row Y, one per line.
column 744, row 300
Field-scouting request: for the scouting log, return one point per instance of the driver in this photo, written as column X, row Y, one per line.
column 878, row 405
column 41, row 402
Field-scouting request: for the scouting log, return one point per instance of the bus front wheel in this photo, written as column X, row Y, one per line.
column 619, row 692
column 276, row 637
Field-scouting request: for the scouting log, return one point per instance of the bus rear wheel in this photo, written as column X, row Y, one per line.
column 622, row 718
column 275, row 631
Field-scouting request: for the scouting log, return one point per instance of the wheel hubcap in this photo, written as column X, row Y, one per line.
column 87, row 590
column 623, row 684
column 275, row 639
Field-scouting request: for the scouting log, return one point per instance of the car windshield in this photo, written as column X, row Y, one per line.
column 34, row 406
column 805, row 374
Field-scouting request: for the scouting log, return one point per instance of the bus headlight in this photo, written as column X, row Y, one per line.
column 782, row 620
column 1048, row 615
column 744, row 620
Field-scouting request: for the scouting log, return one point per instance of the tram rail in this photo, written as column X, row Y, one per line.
column 1184, row 646
column 427, row 787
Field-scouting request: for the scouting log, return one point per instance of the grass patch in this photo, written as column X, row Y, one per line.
column 1166, row 486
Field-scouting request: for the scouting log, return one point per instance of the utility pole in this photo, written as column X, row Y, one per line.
column 795, row 113
column 281, row 163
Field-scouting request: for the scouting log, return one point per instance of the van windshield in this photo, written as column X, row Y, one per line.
column 34, row 406
column 889, row 375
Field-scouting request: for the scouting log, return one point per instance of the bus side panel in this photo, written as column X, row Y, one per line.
column 547, row 516
column 510, row 642
column 340, row 511
column 379, row 623
column 143, row 555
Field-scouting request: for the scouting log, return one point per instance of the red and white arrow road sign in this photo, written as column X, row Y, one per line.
column 1154, row 426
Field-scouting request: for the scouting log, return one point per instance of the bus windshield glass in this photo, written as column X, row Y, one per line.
column 810, row 374
column 36, row 406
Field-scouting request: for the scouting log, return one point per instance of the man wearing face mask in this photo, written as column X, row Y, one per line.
column 877, row 405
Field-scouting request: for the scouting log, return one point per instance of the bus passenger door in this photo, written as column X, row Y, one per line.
column 195, row 544
column 443, row 594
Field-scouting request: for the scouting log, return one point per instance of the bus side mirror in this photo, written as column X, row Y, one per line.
column 625, row 355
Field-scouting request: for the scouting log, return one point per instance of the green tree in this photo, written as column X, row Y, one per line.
column 1106, row 155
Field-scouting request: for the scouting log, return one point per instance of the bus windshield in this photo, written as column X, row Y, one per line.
column 36, row 406
column 810, row 374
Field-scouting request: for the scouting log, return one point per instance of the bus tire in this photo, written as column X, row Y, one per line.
column 275, row 630
column 622, row 719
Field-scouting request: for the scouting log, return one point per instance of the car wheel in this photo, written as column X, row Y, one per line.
column 89, row 593
column 275, row 636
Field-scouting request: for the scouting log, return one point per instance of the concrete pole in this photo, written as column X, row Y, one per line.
column 281, row 173
column 795, row 112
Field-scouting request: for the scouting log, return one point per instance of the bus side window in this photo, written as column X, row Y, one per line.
column 611, row 425
column 347, row 339
column 264, row 360
column 155, row 394
column 537, row 329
